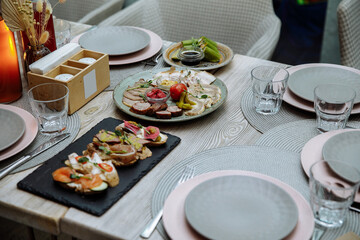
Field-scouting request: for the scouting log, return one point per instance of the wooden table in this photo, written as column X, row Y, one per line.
column 127, row 218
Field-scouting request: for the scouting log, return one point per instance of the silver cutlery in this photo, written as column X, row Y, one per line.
column 154, row 60
column 318, row 232
column 187, row 174
column 53, row 141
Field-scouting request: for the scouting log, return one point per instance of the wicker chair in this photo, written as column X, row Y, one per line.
column 349, row 32
column 85, row 11
column 249, row 27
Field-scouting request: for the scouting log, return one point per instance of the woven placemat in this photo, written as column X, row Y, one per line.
column 73, row 127
column 294, row 135
column 287, row 114
column 281, row 164
column 263, row 123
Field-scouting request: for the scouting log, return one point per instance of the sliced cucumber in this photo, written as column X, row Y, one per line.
column 101, row 187
column 174, row 56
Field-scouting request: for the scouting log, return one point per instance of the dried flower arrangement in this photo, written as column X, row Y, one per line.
column 19, row 16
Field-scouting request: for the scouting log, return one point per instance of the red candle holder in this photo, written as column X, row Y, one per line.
column 10, row 77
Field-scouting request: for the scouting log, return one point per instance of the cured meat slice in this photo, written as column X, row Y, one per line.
column 140, row 108
column 163, row 114
column 128, row 102
column 156, row 107
column 175, row 111
column 133, row 96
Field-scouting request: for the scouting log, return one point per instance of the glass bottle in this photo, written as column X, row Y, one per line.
column 34, row 53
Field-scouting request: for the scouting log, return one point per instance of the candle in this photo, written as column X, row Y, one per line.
column 10, row 80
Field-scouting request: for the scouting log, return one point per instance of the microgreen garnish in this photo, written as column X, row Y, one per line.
column 143, row 97
column 83, row 160
column 74, row 176
column 144, row 85
column 198, row 81
column 97, row 165
column 122, row 151
column 107, row 151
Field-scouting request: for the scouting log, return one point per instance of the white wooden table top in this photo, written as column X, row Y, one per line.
column 127, row 218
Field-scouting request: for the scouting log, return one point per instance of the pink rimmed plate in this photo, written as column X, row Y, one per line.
column 154, row 46
column 174, row 214
column 298, row 102
column 31, row 129
column 312, row 152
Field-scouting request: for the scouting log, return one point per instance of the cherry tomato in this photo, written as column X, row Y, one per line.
column 176, row 90
column 106, row 167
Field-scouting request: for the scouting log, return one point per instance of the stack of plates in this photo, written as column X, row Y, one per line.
column 340, row 145
column 18, row 129
column 123, row 44
column 304, row 78
column 235, row 204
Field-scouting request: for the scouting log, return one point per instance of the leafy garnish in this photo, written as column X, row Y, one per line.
column 97, row 165
column 204, row 96
column 118, row 133
column 106, row 151
column 122, row 151
column 198, row 81
column 143, row 97
column 83, row 160
column 74, row 176
column 144, row 85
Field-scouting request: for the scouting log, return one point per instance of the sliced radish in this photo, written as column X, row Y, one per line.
column 151, row 133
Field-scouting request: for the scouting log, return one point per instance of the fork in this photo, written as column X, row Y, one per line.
column 187, row 174
column 154, row 60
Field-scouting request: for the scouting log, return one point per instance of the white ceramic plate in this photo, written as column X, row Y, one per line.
column 226, row 56
column 31, row 129
column 115, row 40
column 304, row 78
column 154, row 46
column 343, row 147
column 312, row 152
column 174, row 215
column 12, row 127
column 240, row 207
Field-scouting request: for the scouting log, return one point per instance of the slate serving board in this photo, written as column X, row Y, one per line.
column 40, row 181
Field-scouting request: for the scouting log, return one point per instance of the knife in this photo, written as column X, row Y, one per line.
column 53, row 141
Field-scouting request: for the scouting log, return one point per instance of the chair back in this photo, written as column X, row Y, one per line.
column 348, row 13
column 232, row 22
column 76, row 10
column 248, row 27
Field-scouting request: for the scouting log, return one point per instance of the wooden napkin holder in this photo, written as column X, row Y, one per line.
column 88, row 81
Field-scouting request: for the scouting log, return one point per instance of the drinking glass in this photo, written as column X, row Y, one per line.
column 333, row 104
column 62, row 32
column 269, row 84
column 333, row 185
column 49, row 103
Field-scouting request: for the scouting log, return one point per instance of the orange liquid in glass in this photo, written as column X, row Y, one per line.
column 10, row 80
